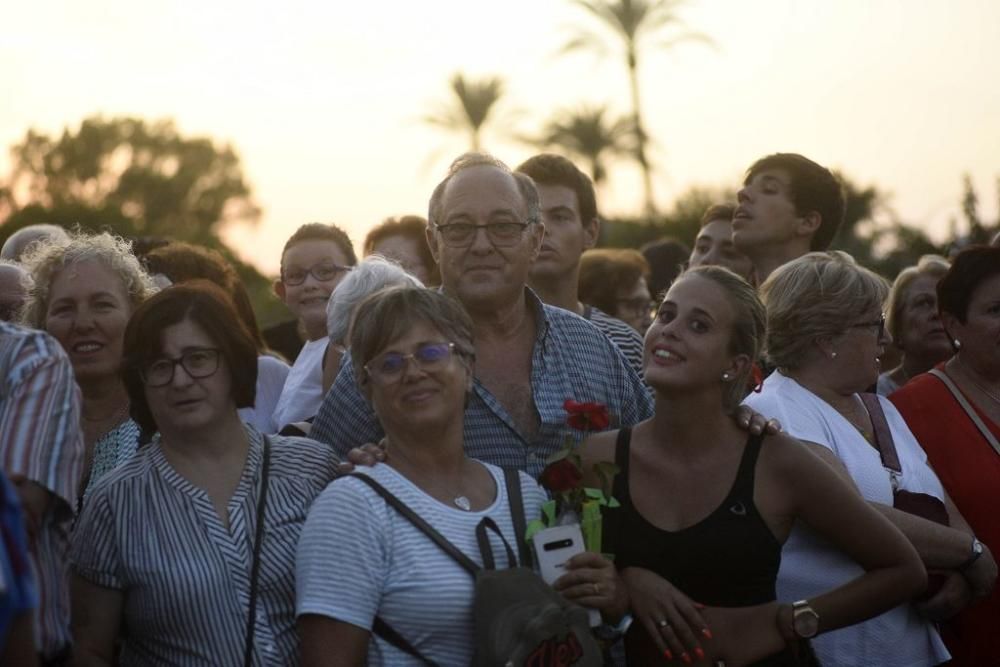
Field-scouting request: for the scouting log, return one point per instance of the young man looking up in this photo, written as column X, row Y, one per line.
column 569, row 211
column 788, row 206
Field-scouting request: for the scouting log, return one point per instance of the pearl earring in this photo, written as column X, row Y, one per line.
column 833, row 355
column 957, row 343
column 725, row 377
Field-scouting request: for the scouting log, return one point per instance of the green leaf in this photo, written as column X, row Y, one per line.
column 533, row 527
column 549, row 512
column 612, row 503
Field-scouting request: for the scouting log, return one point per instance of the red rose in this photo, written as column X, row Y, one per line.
column 586, row 416
column 563, row 475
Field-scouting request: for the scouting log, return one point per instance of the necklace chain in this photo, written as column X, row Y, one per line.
column 968, row 373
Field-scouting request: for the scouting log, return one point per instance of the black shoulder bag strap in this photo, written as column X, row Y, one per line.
column 380, row 627
column 255, row 568
column 422, row 525
column 512, row 479
column 884, row 443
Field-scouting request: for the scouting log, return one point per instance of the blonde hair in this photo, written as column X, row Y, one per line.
column 934, row 266
column 813, row 297
column 747, row 335
column 48, row 258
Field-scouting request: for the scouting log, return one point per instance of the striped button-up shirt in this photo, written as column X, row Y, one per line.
column 148, row 532
column 41, row 441
column 571, row 359
column 622, row 335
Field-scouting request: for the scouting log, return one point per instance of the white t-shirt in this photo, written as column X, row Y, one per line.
column 271, row 374
column 901, row 637
column 303, row 390
column 358, row 558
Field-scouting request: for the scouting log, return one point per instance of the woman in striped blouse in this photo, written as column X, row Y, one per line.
column 169, row 558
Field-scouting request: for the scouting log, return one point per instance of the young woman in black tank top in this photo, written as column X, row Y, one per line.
column 704, row 510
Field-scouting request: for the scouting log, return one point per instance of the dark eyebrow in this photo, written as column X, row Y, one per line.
column 703, row 312
column 559, row 209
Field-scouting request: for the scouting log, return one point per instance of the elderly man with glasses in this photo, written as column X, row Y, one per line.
column 485, row 231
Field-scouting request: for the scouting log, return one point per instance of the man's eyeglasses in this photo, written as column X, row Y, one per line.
column 198, row 363
column 388, row 367
column 878, row 324
column 500, row 234
column 322, row 272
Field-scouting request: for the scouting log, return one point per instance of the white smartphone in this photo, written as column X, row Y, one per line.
column 553, row 547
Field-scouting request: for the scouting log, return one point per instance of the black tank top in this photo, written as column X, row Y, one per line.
column 728, row 559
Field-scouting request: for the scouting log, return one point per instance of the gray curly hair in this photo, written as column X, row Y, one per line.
column 49, row 257
column 372, row 274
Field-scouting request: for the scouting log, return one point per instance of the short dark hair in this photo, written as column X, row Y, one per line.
column 552, row 169
column 408, row 226
column 813, row 188
column 319, row 231
column 718, row 212
column 387, row 314
column 206, row 305
column 604, row 271
column 969, row 269
column 666, row 258
column 181, row 262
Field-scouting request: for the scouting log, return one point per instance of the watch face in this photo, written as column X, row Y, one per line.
column 805, row 623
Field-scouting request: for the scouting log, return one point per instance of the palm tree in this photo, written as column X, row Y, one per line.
column 633, row 24
column 589, row 134
column 470, row 108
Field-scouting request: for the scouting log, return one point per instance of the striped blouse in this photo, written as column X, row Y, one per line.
column 148, row 532
column 41, row 440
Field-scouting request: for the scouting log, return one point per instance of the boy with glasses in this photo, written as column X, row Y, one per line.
column 314, row 260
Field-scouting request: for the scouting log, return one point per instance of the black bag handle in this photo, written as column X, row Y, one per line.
column 386, row 632
column 486, row 549
column 512, row 479
column 421, row 525
column 255, row 567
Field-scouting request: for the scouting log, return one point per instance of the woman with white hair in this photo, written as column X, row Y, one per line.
column 371, row 274
column 825, row 335
column 83, row 290
column 911, row 316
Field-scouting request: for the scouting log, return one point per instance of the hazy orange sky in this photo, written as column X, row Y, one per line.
column 323, row 100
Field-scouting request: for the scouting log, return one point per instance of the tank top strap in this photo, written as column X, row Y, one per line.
column 622, row 448
column 743, row 485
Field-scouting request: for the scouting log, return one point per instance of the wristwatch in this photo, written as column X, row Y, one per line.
column 977, row 551
column 805, row 620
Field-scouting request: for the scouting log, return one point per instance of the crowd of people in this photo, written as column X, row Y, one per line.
column 806, row 458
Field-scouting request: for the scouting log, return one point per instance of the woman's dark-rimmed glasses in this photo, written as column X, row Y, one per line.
column 879, row 323
column 198, row 363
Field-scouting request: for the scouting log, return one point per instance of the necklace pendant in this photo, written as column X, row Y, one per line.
column 462, row 503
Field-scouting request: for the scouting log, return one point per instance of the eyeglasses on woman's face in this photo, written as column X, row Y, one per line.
column 198, row 363
column 323, row 272
column 878, row 325
column 388, row 367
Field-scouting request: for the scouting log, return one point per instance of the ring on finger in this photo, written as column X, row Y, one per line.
column 662, row 624
column 597, row 588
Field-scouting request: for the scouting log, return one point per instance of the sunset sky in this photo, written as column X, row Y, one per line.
column 323, row 101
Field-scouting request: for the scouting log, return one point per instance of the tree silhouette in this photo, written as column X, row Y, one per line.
column 134, row 173
column 634, row 24
column 470, row 107
column 590, row 134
